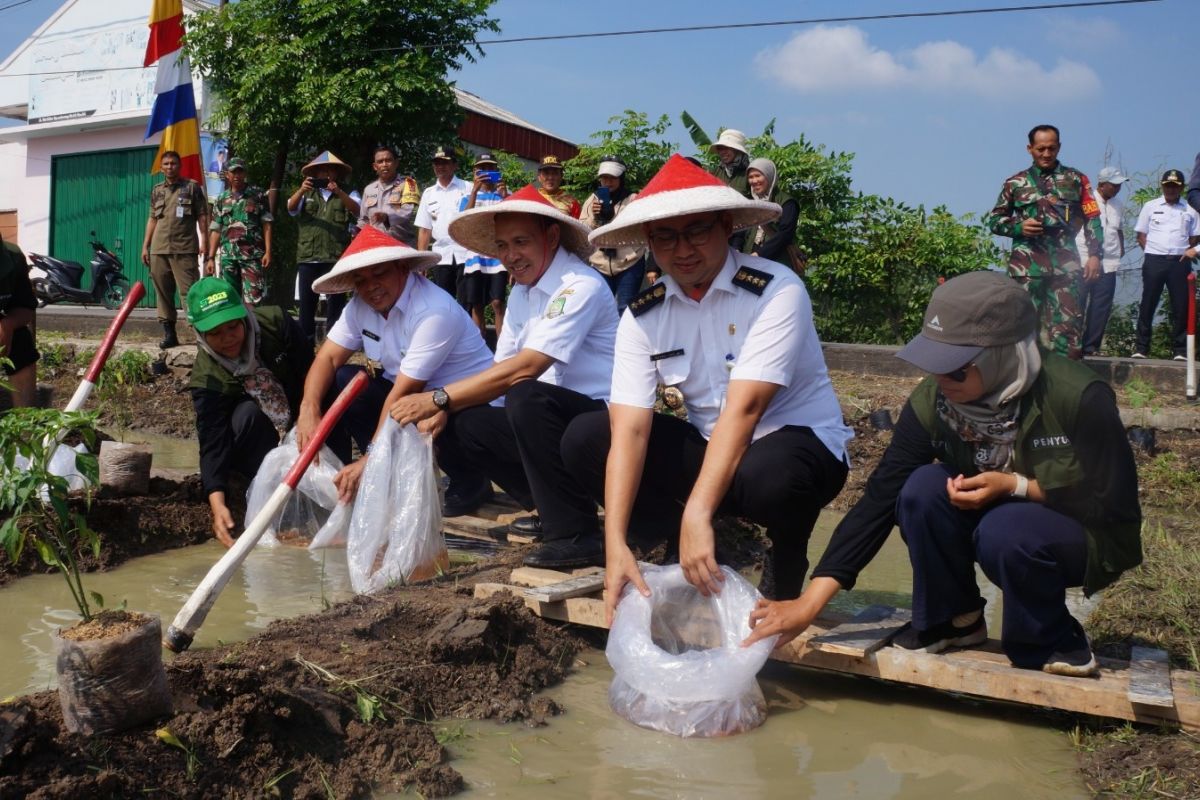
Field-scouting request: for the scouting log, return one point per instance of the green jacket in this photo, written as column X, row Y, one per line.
column 1045, row 450
column 324, row 228
column 276, row 351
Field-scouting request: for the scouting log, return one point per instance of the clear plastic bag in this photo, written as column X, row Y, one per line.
column 680, row 667
column 308, row 508
column 396, row 528
column 336, row 530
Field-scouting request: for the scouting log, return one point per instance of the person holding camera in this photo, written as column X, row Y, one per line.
column 623, row 268
column 1042, row 208
column 484, row 280
column 324, row 213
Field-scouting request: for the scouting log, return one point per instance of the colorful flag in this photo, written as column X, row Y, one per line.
column 174, row 111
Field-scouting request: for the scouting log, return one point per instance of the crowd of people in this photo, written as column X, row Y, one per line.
column 685, row 296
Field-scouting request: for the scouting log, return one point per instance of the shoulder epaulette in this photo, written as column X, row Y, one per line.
column 648, row 299
column 752, row 280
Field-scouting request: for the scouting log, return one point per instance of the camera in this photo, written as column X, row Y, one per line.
column 606, row 206
column 320, row 183
column 491, row 175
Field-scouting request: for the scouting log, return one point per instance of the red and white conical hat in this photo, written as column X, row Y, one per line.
column 475, row 229
column 680, row 188
column 372, row 246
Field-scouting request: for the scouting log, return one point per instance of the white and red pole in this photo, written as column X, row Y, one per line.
column 136, row 293
column 1191, row 337
column 189, row 619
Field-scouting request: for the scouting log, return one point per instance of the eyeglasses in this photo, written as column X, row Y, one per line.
column 696, row 235
column 959, row 375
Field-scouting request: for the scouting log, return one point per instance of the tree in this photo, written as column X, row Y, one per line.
column 290, row 78
column 635, row 140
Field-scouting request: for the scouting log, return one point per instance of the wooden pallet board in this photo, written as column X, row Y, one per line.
column 1137, row 691
column 489, row 523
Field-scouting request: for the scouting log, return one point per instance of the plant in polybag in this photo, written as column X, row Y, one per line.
column 677, row 656
column 309, row 507
column 396, row 527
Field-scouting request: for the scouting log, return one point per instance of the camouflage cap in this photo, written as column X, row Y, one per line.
column 235, row 163
column 966, row 314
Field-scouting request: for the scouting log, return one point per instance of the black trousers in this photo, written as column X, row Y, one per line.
column 1159, row 271
column 519, row 448
column 308, row 272
column 254, row 436
column 782, row 483
column 446, row 277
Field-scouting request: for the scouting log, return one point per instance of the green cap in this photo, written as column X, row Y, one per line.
column 235, row 163
column 212, row 302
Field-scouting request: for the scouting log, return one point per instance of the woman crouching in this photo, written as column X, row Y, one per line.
column 1006, row 456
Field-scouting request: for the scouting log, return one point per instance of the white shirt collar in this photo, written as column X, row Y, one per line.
column 552, row 277
column 723, row 282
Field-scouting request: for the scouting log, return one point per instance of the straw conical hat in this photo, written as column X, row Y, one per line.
column 325, row 159
column 680, row 188
column 475, row 229
column 371, row 246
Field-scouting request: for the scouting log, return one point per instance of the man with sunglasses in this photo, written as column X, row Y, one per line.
column 730, row 336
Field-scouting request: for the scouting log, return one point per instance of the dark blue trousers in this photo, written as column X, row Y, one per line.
column 1032, row 553
column 362, row 417
column 1097, row 296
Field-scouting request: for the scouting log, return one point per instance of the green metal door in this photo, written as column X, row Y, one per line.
column 107, row 192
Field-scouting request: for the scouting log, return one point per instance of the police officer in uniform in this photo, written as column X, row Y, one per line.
column 731, row 337
column 178, row 208
column 412, row 333
column 553, row 362
column 390, row 202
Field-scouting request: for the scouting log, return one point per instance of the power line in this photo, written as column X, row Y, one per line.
column 14, row 5
column 696, row 28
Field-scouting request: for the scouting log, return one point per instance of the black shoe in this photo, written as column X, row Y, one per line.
column 170, row 339
column 459, row 502
column 577, row 551
column 527, row 526
column 939, row 637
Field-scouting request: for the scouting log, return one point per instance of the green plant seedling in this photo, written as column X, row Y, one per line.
column 192, row 763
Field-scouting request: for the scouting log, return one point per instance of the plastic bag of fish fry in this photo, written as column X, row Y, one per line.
column 680, row 667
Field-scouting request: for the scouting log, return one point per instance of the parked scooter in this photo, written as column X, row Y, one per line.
column 55, row 280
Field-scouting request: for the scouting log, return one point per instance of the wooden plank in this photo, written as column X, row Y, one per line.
column 1150, row 678
column 579, row 610
column 869, row 630
column 579, row 586
column 537, row 577
column 475, row 528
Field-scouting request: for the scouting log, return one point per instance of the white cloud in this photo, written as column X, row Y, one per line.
column 831, row 59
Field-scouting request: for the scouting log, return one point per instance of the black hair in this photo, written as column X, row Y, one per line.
column 166, row 153
column 1036, row 129
column 379, row 148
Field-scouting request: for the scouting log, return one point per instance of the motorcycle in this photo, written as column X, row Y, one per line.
column 55, row 280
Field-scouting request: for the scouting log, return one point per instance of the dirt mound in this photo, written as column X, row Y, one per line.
column 173, row 514
column 326, row 705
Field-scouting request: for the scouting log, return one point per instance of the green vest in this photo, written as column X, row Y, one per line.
column 272, row 354
column 769, row 229
column 324, row 228
column 1045, row 451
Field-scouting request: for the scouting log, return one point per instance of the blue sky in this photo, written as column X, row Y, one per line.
column 936, row 110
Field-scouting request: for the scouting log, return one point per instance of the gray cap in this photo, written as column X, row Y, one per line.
column 967, row 314
column 1110, row 175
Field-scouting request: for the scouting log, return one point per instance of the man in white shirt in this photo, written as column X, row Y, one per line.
column 1168, row 230
column 553, row 362
column 1096, row 297
column 439, row 204
column 731, row 337
column 412, row 334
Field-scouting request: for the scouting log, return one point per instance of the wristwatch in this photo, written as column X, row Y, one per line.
column 441, row 399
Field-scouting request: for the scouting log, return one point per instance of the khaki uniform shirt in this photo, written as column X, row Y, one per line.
column 177, row 208
column 397, row 199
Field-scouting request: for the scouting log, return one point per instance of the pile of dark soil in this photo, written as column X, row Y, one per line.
column 174, row 514
column 324, row 706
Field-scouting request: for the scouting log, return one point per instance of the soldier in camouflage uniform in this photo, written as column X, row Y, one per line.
column 1042, row 209
column 241, row 229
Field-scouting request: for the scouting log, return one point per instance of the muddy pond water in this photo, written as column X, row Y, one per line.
column 826, row 736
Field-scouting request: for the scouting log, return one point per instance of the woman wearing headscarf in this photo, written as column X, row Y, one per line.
column 246, row 386
column 624, row 268
column 771, row 239
column 1007, row 456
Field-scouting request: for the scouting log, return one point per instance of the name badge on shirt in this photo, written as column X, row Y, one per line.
column 668, row 354
column 179, row 212
column 370, row 335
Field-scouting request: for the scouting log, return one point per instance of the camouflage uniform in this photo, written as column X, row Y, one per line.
column 240, row 220
column 1048, row 265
